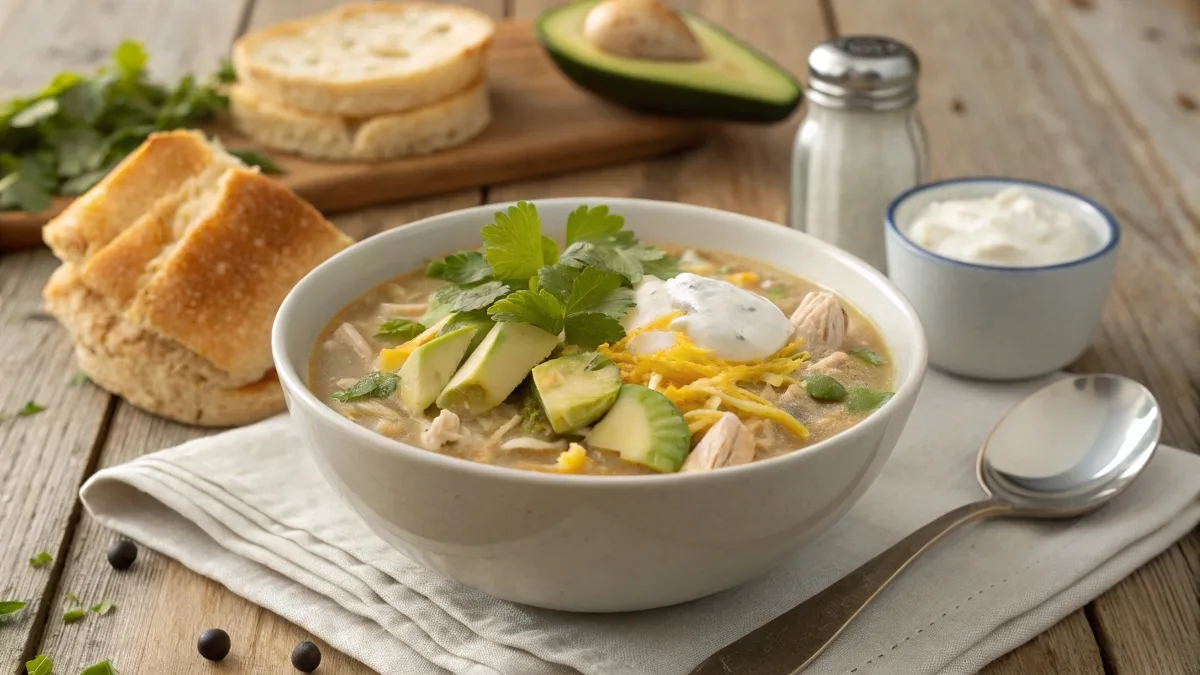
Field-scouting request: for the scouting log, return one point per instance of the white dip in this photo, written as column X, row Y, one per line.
column 736, row 324
column 1011, row 229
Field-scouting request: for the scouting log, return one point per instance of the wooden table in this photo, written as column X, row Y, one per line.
column 1100, row 96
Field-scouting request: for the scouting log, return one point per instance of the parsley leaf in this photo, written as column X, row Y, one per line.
column 255, row 158
column 864, row 400
column 105, row 667
column 540, row 309
column 513, row 244
column 665, row 267
column 40, row 665
column 463, row 269
column 549, row 251
column 30, row 408
column 586, row 223
column 103, row 608
column 40, row 560
column 477, row 297
column 10, row 606
column 624, row 260
column 591, row 287
column 824, row 388
column 869, row 356
column 592, row 329
column 616, row 304
column 400, row 329
column 558, row 280
column 371, row 385
column 225, row 72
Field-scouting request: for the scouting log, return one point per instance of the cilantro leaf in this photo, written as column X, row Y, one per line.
column 83, row 101
column 513, row 244
column 131, row 57
column 478, row 297
column 371, row 385
column 824, row 388
column 616, row 304
column 540, row 309
column 79, row 149
column 624, row 260
column 592, row 329
column 74, row 614
column 35, row 112
column 558, row 280
column 464, row 269
column 225, row 72
column 30, row 408
column 868, row 356
column 549, row 251
column 863, row 400
column 29, row 187
column 586, row 223
column 591, row 287
column 477, row 319
column 40, row 665
column 40, row 560
column 10, row 606
column 80, row 378
column 103, row 607
column 399, row 329
column 105, row 667
column 665, row 267
column 255, row 158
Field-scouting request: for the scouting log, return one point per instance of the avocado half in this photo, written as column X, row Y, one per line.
column 736, row 82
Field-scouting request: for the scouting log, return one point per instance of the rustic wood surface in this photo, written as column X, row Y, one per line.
column 1090, row 94
column 538, row 116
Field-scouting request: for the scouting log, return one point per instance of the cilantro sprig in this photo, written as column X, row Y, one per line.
column 39, row 665
column 400, row 330
column 40, row 560
column 67, row 137
column 371, row 385
column 10, row 606
column 518, row 275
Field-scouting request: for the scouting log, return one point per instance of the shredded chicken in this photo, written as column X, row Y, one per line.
column 445, row 428
column 403, row 309
column 727, row 443
column 531, row 443
column 821, row 321
column 350, row 336
column 833, row 365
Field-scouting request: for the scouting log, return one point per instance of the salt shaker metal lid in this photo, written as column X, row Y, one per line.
column 868, row 72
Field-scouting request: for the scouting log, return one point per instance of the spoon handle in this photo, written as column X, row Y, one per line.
column 788, row 643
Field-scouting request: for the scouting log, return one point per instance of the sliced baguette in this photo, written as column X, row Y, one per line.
column 156, row 169
column 150, row 371
column 366, row 59
column 434, row 127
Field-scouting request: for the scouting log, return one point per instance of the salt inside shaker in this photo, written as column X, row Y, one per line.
column 861, row 142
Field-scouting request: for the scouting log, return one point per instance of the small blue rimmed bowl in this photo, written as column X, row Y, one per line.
column 994, row 322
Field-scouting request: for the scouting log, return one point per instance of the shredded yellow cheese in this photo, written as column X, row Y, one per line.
column 390, row 359
column 572, row 460
column 742, row 279
column 700, row 385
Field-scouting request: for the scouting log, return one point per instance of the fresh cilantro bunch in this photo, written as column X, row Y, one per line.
column 518, row 275
column 66, row 138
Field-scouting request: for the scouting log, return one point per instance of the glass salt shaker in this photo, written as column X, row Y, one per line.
column 861, row 142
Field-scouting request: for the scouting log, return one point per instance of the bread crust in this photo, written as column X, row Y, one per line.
column 157, row 168
column 149, row 371
column 437, row 126
column 367, row 95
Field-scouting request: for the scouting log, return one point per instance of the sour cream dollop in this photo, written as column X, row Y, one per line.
column 734, row 323
column 1011, row 229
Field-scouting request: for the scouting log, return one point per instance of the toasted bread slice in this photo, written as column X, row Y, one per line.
column 150, row 371
column 159, row 167
column 366, row 59
column 434, row 127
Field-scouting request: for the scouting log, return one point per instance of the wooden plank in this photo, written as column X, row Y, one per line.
column 1003, row 95
column 46, row 457
column 1068, row 648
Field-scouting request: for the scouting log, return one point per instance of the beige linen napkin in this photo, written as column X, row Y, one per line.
column 248, row 509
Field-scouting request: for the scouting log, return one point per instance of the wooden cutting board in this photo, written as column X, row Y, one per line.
column 541, row 124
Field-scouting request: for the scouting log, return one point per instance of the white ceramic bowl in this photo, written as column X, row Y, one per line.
column 595, row 543
column 1002, row 323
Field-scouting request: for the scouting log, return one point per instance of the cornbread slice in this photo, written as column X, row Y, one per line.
column 434, row 127
column 366, row 59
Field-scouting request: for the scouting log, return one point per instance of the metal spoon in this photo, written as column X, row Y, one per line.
column 1064, row 451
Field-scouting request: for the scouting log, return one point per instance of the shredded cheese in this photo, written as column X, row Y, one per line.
column 699, row 384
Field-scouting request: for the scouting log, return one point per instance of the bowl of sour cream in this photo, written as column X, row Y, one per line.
column 1008, row 276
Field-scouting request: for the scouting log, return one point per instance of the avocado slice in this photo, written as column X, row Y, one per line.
column 495, row 368
column 477, row 320
column 646, row 428
column 426, row 372
column 735, row 82
column 576, row 390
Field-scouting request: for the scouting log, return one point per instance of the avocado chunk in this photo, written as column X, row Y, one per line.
column 477, row 320
column 733, row 82
column 646, row 428
column 426, row 372
column 495, row 368
column 576, row 390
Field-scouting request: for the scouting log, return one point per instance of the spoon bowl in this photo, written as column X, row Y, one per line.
column 1071, row 446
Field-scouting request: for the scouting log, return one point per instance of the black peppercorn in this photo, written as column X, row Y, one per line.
column 213, row 644
column 122, row 553
column 306, row 657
